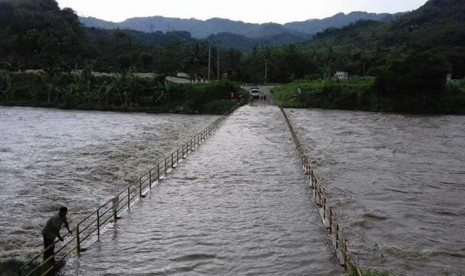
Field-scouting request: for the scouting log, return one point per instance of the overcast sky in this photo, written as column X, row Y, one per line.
column 250, row 11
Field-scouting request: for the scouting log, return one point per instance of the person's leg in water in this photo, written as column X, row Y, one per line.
column 49, row 248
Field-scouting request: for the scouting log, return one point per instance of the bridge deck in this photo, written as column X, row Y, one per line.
column 239, row 205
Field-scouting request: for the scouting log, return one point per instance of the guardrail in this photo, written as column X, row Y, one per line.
column 328, row 215
column 93, row 224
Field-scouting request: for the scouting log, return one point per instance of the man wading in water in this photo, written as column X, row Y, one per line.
column 52, row 231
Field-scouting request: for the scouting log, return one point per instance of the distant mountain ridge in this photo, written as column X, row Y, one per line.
column 339, row 20
column 202, row 29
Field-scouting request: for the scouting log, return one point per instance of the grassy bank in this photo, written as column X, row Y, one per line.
column 117, row 92
column 364, row 94
column 324, row 93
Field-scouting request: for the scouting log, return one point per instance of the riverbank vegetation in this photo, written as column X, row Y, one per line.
column 366, row 93
column 116, row 92
column 414, row 83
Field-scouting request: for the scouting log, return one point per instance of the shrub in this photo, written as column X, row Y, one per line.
column 415, row 83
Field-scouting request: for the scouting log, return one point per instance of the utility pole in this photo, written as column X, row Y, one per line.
column 266, row 69
column 218, row 62
column 209, row 60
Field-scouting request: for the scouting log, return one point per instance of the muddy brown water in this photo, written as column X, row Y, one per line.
column 240, row 204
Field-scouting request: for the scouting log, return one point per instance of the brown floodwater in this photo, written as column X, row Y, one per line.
column 80, row 159
column 240, row 204
column 397, row 183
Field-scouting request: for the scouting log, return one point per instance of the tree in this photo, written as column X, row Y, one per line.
column 40, row 35
column 233, row 62
column 419, row 72
column 172, row 57
column 146, row 59
column 125, row 62
column 254, row 65
column 414, row 83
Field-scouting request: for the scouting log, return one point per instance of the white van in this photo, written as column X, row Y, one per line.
column 255, row 92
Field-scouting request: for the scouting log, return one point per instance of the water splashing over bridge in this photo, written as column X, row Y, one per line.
column 239, row 205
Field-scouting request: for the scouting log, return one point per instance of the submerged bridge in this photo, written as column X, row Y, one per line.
column 245, row 201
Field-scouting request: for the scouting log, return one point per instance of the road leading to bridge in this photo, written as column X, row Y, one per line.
column 240, row 205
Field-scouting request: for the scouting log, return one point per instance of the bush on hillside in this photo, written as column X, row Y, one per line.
column 414, row 83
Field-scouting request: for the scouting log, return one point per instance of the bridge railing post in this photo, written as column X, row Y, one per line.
column 78, row 240
column 89, row 226
column 115, row 205
column 98, row 224
column 330, row 220
column 322, row 201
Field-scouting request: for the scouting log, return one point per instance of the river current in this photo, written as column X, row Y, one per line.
column 80, row 159
column 397, row 183
column 240, row 204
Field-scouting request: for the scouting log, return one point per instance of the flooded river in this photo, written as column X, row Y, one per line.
column 80, row 159
column 240, row 204
column 398, row 185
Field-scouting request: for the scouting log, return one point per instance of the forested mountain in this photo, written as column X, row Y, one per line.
column 437, row 27
column 439, row 23
column 203, row 29
column 408, row 56
column 237, row 34
column 407, row 60
column 36, row 32
column 339, row 20
column 246, row 44
column 198, row 28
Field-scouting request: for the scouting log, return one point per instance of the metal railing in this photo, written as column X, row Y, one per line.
column 327, row 212
column 92, row 225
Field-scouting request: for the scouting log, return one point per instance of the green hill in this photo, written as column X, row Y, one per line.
column 406, row 62
column 437, row 26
